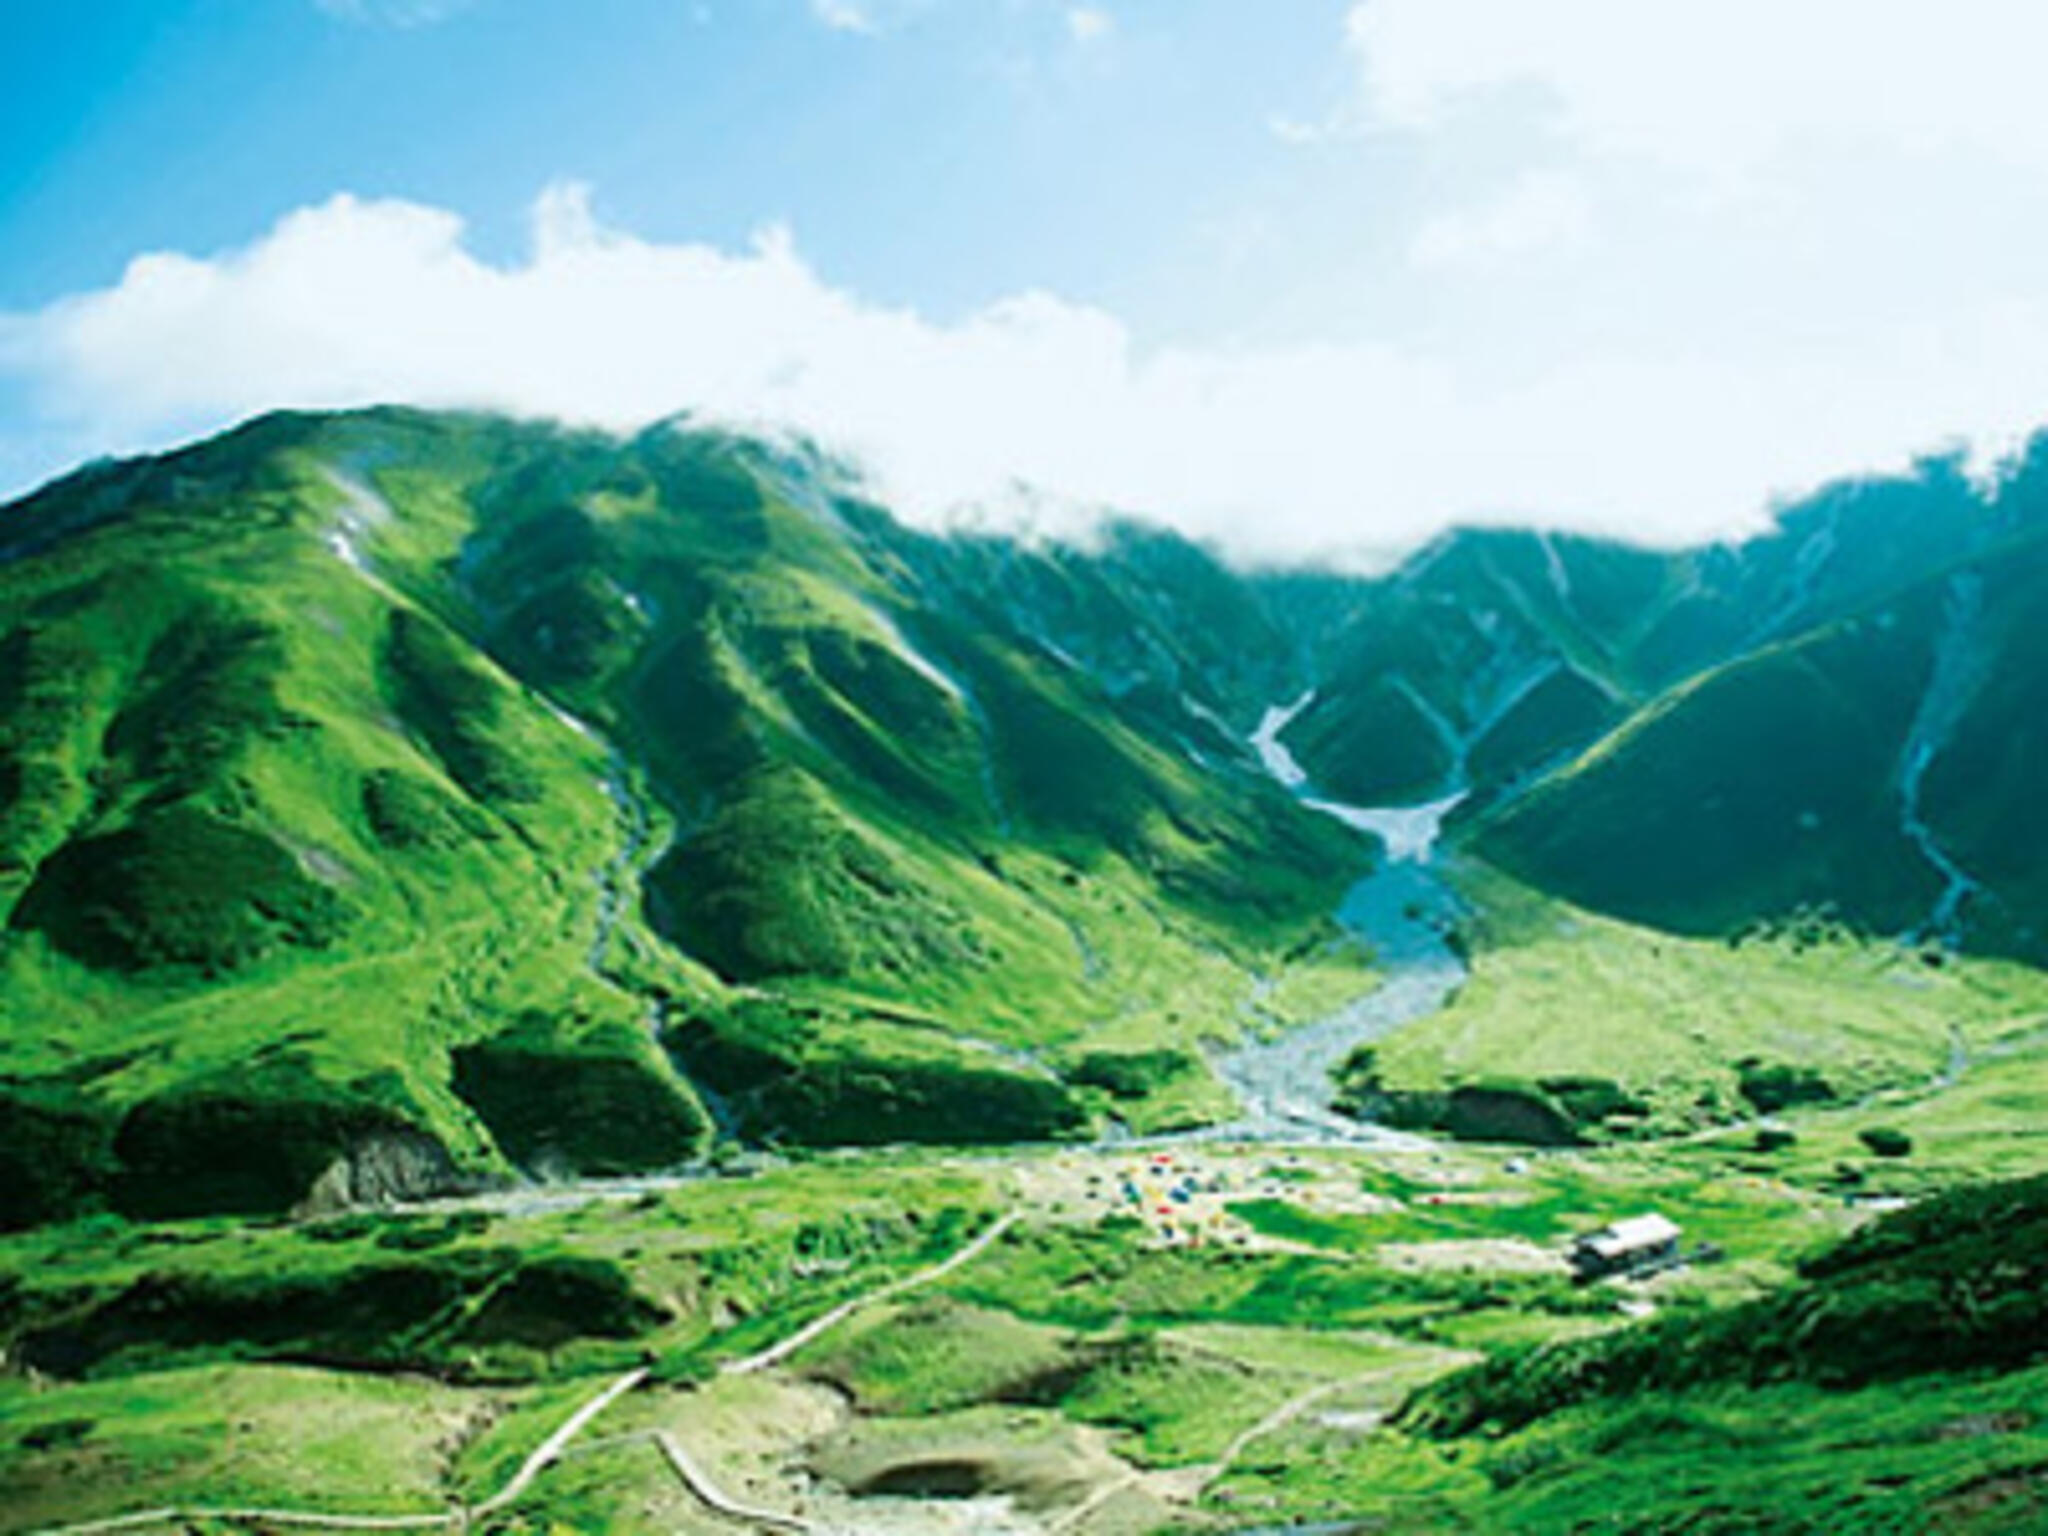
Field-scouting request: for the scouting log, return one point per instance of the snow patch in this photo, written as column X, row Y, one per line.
column 1560, row 578
column 912, row 657
column 345, row 551
column 1278, row 762
column 575, row 723
column 1410, row 832
column 361, row 510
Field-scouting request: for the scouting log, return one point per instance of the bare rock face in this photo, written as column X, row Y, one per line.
column 383, row 1168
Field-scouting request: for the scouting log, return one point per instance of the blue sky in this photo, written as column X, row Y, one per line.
column 956, row 152
column 1311, row 279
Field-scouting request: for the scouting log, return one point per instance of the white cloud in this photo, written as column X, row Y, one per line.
column 844, row 16
column 1722, row 88
column 1347, row 450
column 1089, row 24
column 1545, row 210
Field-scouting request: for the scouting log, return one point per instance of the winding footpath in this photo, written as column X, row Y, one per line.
column 775, row 1354
column 551, row 1450
column 1197, row 1480
column 719, row 1502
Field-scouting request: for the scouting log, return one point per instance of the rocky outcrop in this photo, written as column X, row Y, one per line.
column 384, row 1168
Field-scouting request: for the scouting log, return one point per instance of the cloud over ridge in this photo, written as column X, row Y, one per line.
column 1646, row 307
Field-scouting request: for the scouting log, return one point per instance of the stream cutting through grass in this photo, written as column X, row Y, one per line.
column 1959, row 662
column 1404, row 910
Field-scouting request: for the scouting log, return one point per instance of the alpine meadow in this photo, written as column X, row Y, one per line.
column 1322, row 806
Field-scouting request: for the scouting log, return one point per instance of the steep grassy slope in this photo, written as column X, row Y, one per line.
column 1951, row 1285
column 898, row 801
column 1880, row 765
column 1494, row 655
column 1980, row 794
column 277, row 840
column 1486, row 657
column 1836, row 713
column 1756, row 788
column 337, row 756
column 395, row 786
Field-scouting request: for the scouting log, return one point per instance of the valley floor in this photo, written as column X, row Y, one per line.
column 1202, row 1337
column 1188, row 1333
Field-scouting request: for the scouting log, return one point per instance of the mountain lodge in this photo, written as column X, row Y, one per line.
column 1640, row 1245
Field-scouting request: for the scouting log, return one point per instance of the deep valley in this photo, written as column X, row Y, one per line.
column 939, row 1032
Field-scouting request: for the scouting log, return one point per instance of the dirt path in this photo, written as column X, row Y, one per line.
column 718, row 1501
column 775, row 1354
column 551, row 1450
column 544, row 1455
column 1280, row 1418
column 184, row 1514
column 1185, row 1486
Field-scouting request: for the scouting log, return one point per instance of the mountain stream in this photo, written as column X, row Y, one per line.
column 1959, row 664
column 1404, row 910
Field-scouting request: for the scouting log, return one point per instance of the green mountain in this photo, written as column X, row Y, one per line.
column 1871, row 752
column 424, row 797
column 411, row 794
column 396, row 805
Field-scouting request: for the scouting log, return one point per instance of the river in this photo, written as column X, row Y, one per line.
column 1405, row 911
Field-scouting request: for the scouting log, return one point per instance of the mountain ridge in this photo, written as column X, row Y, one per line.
column 540, row 771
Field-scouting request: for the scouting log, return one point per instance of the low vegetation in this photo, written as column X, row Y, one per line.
column 1954, row 1285
column 447, row 807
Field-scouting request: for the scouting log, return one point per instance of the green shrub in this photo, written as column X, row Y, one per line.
column 786, row 1083
column 179, row 887
column 589, row 1106
column 1502, row 1110
column 1131, row 1074
column 242, row 1143
column 207, row 689
column 57, row 1434
column 56, row 1152
column 856, row 1101
column 1592, row 1101
column 404, row 1236
column 550, row 1301
column 413, row 1312
column 1775, row 1086
column 348, row 1228
column 1885, row 1141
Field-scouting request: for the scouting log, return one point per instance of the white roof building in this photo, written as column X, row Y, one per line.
column 1631, row 1236
column 1638, row 1246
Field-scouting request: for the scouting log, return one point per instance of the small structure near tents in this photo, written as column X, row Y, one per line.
column 1641, row 1245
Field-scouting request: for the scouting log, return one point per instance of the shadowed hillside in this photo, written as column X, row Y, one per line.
column 443, row 761
column 393, row 778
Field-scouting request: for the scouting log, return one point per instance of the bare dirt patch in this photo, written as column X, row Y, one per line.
column 1494, row 1256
